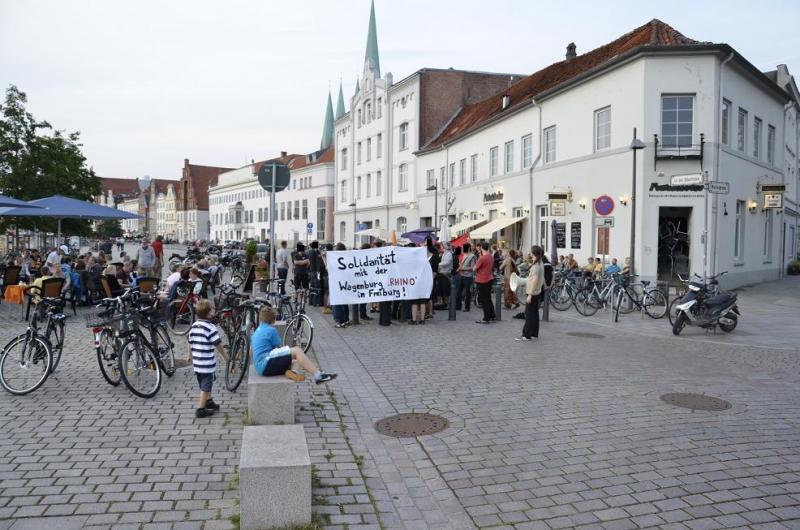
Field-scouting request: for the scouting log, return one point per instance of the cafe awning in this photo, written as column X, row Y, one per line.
column 465, row 225
column 487, row 230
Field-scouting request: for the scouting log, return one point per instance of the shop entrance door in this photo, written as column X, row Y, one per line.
column 673, row 242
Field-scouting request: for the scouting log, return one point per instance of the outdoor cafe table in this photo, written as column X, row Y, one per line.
column 15, row 294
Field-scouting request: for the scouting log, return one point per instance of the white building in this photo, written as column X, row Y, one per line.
column 552, row 144
column 376, row 140
column 130, row 227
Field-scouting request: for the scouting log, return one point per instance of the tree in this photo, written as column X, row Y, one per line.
column 37, row 161
column 110, row 228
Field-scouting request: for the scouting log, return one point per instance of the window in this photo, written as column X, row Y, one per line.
column 726, row 128
column 283, row 211
column 358, row 119
column 493, row 162
column 550, row 145
column 344, row 159
column 402, row 177
column 343, row 191
column 369, row 185
column 369, row 149
column 741, row 135
column 462, row 171
column 677, row 119
column 260, row 213
column 368, row 112
column 738, row 242
column 305, row 209
column 452, row 180
column 757, row 127
column 379, row 145
column 768, row 235
column 294, row 184
column 527, row 151
column 289, row 211
column 403, row 138
column 320, row 219
column 473, row 168
column 441, row 177
column 430, row 176
column 358, row 153
column 402, row 225
column 342, row 230
column 266, row 214
column 509, row 152
column 310, row 178
column 378, row 184
column 602, row 129
column 358, row 188
column 379, row 109
column 771, row 144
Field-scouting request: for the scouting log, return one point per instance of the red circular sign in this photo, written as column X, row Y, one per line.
column 604, row 205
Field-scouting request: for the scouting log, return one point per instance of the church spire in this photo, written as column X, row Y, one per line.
column 327, row 129
column 371, row 60
column 358, row 88
column 340, row 103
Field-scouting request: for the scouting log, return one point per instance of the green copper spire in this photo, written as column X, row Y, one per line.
column 371, row 59
column 327, row 129
column 340, row 103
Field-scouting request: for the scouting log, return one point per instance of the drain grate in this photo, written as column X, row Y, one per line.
column 584, row 335
column 411, row 424
column 696, row 402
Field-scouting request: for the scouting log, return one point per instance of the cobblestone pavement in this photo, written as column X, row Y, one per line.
column 566, row 431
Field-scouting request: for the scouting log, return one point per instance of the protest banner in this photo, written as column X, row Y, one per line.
column 379, row 275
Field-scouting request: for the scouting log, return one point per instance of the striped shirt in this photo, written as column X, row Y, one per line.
column 203, row 336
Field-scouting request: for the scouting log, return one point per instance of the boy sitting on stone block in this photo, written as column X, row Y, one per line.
column 271, row 358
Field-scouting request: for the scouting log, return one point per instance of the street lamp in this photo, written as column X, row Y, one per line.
column 435, row 189
column 636, row 145
column 353, row 206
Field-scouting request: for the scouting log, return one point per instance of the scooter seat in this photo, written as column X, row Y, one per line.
column 721, row 299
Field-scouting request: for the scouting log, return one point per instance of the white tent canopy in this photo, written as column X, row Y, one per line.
column 464, row 225
column 486, row 231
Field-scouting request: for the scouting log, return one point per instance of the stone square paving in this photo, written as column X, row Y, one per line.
column 563, row 432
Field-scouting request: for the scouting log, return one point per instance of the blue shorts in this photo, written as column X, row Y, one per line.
column 206, row 381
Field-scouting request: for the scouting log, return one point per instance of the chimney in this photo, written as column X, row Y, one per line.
column 283, row 154
column 389, row 79
column 571, row 51
column 506, row 101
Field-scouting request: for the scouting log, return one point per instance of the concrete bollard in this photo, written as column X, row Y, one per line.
column 451, row 307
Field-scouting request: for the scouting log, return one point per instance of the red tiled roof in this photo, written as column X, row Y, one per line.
column 200, row 178
column 119, row 186
column 323, row 157
column 163, row 184
column 654, row 33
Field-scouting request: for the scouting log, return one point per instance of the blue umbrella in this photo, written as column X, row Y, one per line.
column 419, row 235
column 11, row 202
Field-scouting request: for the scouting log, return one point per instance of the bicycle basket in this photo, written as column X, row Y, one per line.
column 97, row 318
column 123, row 325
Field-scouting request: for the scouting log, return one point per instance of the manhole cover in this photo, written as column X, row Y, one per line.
column 182, row 363
column 583, row 335
column 411, row 424
column 696, row 401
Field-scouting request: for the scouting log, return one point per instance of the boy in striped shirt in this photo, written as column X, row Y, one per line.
column 204, row 341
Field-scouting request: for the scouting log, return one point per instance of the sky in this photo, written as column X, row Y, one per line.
column 149, row 83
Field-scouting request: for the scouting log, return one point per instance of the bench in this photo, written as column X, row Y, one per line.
column 274, row 477
column 270, row 400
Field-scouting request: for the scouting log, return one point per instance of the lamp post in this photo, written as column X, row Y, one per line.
column 355, row 228
column 636, row 145
column 435, row 190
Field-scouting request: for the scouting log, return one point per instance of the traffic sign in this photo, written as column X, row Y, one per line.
column 686, row 180
column 310, row 226
column 715, row 186
column 604, row 222
column 281, row 176
column 604, row 205
column 309, row 229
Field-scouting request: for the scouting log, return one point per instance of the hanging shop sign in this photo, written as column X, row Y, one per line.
column 773, row 200
column 495, row 196
column 558, row 208
column 669, row 190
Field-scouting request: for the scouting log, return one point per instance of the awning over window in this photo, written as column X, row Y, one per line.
column 486, row 231
column 464, row 225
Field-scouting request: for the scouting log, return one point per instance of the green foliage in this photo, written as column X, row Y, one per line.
column 110, row 228
column 250, row 250
column 793, row 268
column 38, row 161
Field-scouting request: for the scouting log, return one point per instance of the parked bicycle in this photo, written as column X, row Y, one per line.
column 180, row 312
column 28, row 359
column 300, row 329
column 639, row 296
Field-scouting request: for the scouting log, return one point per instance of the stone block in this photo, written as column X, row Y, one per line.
column 270, row 400
column 274, row 477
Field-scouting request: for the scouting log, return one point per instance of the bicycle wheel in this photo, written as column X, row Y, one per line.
column 285, row 310
column 582, row 303
column 626, row 301
column 180, row 317
column 166, row 351
column 655, row 303
column 25, row 364
column 107, row 358
column 58, row 344
column 299, row 332
column 673, row 309
column 138, row 368
column 593, row 299
column 238, row 362
column 561, row 298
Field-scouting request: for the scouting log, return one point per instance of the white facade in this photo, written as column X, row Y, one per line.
column 130, row 227
column 239, row 207
column 191, row 225
column 571, row 155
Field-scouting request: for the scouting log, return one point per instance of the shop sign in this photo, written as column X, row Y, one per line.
column 495, row 196
column 669, row 190
column 686, row 180
column 561, row 235
column 715, row 186
column 604, row 222
column 773, row 200
column 558, row 208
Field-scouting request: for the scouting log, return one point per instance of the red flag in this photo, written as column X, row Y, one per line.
column 460, row 241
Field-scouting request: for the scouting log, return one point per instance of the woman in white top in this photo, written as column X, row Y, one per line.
column 532, row 290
